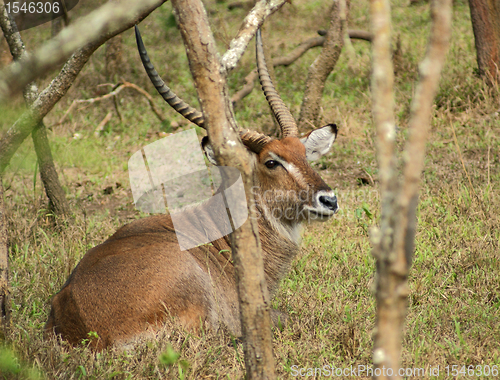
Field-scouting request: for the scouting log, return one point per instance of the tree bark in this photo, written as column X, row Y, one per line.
column 98, row 25
column 393, row 243
column 209, row 75
column 4, row 270
column 55, row 193
column 321, row 68
column 485, row 16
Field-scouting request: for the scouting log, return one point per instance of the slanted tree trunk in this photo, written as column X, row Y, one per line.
column 321, row 68
column 393, row 243
column 57, row 25
column 59, row 22
column 4, row 270
column 57, row 199
column 119, row 18
column 485, row 15
column 55, row 193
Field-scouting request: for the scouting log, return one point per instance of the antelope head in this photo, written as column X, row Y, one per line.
column 288, row 190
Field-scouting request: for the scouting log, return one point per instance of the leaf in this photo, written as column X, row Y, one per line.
column 169, row 357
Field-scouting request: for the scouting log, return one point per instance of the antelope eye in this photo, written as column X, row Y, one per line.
column 271, row 164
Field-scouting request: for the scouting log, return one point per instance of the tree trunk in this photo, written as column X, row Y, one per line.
column 57, row 198
column 485, row 16
column 393, row 243
column 321, row 68
column 4, row 270
column 57, row 25
column 229, row 151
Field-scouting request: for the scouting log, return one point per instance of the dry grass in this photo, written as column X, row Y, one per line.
column 454, row 305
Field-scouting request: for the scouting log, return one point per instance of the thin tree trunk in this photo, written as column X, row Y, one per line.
column 4, row 270
column 321, row 68
column 393, row 243
column 485, row 16
column 57, row 25
column 57, row 198
column 210, row 83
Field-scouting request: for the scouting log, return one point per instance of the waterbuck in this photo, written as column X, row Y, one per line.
column 128, row 286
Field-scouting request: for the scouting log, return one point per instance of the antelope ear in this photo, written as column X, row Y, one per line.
column 209, row 152
column 319, row 141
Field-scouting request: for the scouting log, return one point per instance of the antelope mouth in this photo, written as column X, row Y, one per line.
column 321, row 215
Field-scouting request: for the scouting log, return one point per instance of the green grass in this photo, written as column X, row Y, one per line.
column 454, row 302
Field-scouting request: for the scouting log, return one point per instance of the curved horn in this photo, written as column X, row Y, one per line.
column 254, row 140
column 190, row 113
column 280, row 110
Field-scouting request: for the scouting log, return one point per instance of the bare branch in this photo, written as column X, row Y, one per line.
column 247, row 88
column 89, row 29
column 421, row 108
column 355, row 34
column 112, row 94
column 299, row 51
column 382, row 88
column 321, row 68
column 290, row 58
column 279, row 61
column 251, row 23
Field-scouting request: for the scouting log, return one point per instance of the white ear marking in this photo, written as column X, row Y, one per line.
column 319, row 141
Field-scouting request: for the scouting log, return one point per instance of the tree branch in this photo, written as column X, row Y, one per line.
column 48, row 173
column 48, row 98
column 321, row 68
column 96, row 25
column 251, row 23
column 116, row 91
column 290, row 58
column 382, row 89
column 421, row 108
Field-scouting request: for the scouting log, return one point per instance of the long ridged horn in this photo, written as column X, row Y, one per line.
column 280, row 110
column 254, row 140
column 190, row 113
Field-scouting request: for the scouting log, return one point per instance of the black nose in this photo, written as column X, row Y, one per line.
column 329, row 202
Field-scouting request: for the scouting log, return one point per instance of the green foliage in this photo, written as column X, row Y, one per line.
column 13, row 368
column 169, row 357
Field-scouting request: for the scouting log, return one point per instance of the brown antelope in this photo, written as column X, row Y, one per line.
column 128, row 286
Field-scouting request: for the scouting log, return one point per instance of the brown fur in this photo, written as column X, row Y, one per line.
column 130, row 284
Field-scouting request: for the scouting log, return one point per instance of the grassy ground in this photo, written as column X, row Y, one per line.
column 454, row 304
